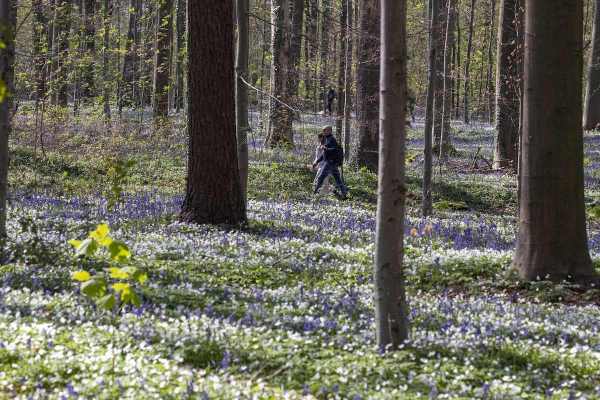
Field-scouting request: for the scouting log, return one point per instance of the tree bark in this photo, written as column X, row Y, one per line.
column 591, row 115
column 213, row 193
column 131, row 60
column 552, row 241
column 107, row 11
column 391, row 310
column 341, row 88
column 324, row 52
column 162, row 58
column 508, row 85
column 447, row 92
column 280, row 116
column 89, row 9
column 467, row 89
column 490, row 92
column 180, row 56
column 347, row 131
column 368, row 84
column 241, row 93
column 62, row 25
column 297, row 15
column 431, row 90
column 40, row 42
column 311, row 38
column 8, row 20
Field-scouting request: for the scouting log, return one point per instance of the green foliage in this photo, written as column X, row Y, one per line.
column 117, row 172
column 116, row 285
column 447, row 205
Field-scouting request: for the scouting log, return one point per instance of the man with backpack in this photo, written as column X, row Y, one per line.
column 331, row 159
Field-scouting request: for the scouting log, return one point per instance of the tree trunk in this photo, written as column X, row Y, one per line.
column 297, row 14
column 62, row 27
column 162, row 58
column 213, row 192
column 447, row 105
column 40, row 42
column 341, row 89
column 429, row 117
column 8, row 20
column 280, row 123
column 241, row 93
column 391, row 310
column 131, row 60
column 439, row 97
column 105, row 60
column 508, row 85
column 367, row 85
column 467, row 90
column 552, row 241
column 89, row 9
column 348, row 79
column 490, row 93
column 179, row 74
column 311, row 39
column 324, row 52
column 591, row 115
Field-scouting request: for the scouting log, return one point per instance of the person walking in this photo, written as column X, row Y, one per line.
column 329, row 162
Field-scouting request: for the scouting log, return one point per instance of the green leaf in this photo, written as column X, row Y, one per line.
column 107, row 302
column 131, row 298
column 75, row 243
column 119, row 251
column 118, row 273
column 140, row 277
column 88, row 247
column 94, row 288
column 101, row 232
column 81, row 276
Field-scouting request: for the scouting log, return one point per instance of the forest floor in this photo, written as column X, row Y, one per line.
column 281, row 307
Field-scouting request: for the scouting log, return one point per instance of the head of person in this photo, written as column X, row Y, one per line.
column 327, row 131
column 320, row 137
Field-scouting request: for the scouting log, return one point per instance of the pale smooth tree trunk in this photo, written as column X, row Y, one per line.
column 429, row 110
column 8, row 20
column 367, row 85
column 508, row 85
column 324, row 50
column 591, row 115
column 213, row 193
column 241, row 93
column 391, row 310
column 467, row 88
column 552, row 241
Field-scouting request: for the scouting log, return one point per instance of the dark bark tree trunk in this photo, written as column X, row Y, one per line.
column 348, row 78
column 88, row 84
column 162, row 59
column 213, row 192
column 429, row 111
column 8, row 21
column 508, row 85
column 467, row 88
column 280, row 116
column 591, row 115
column 391, row 310
column 40, row 43
column 324, row 52
column 367, row 85
column 131, row 60
column 447, row 91
column 241, row 93
column 341, row 90
column 297, row 15
column 107, row 12
column 552, row 241
column 180, row 57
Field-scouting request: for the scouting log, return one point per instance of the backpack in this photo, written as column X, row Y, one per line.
column 338, row 156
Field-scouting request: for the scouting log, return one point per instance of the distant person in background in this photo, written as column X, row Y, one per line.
column 331, row 159
column 329, row 98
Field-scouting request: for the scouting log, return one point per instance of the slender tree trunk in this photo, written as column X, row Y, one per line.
column 439, row 97
column 508, row 82
column 8, row 21
column 467, row 89
column 311, row 36
column 431, row 90
column 280, row 124
column 324, row 51
column 241, row 94
column 490, row 75
column 447, row 105
column 367, row 85
column 131, row 60
column 62, row 27
column 89, row 9
column 213, row 192
column 107, row 10
column 391, row 310
column 180, row 57
column 40, row 50
column 348, row 79
column 552, row 241
column 591, row 115
column 297, row 15
column 341, row 88
column 162, row 64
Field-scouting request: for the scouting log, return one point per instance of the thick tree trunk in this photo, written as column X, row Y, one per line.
column 391, row 310
column 180, row 56
column 368, row 84
column 213, row 192
column 508, row 85
column 431, row 90
column 280, row 116
column 162, row 59
column 552, row 241
column 8, row 20
column 241, row 93
column 348, row 78
column 467, row 89
column 591, row 115
column 341, row 87
column 324, row 52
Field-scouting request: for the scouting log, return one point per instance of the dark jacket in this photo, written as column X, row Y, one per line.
column 329, row 152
